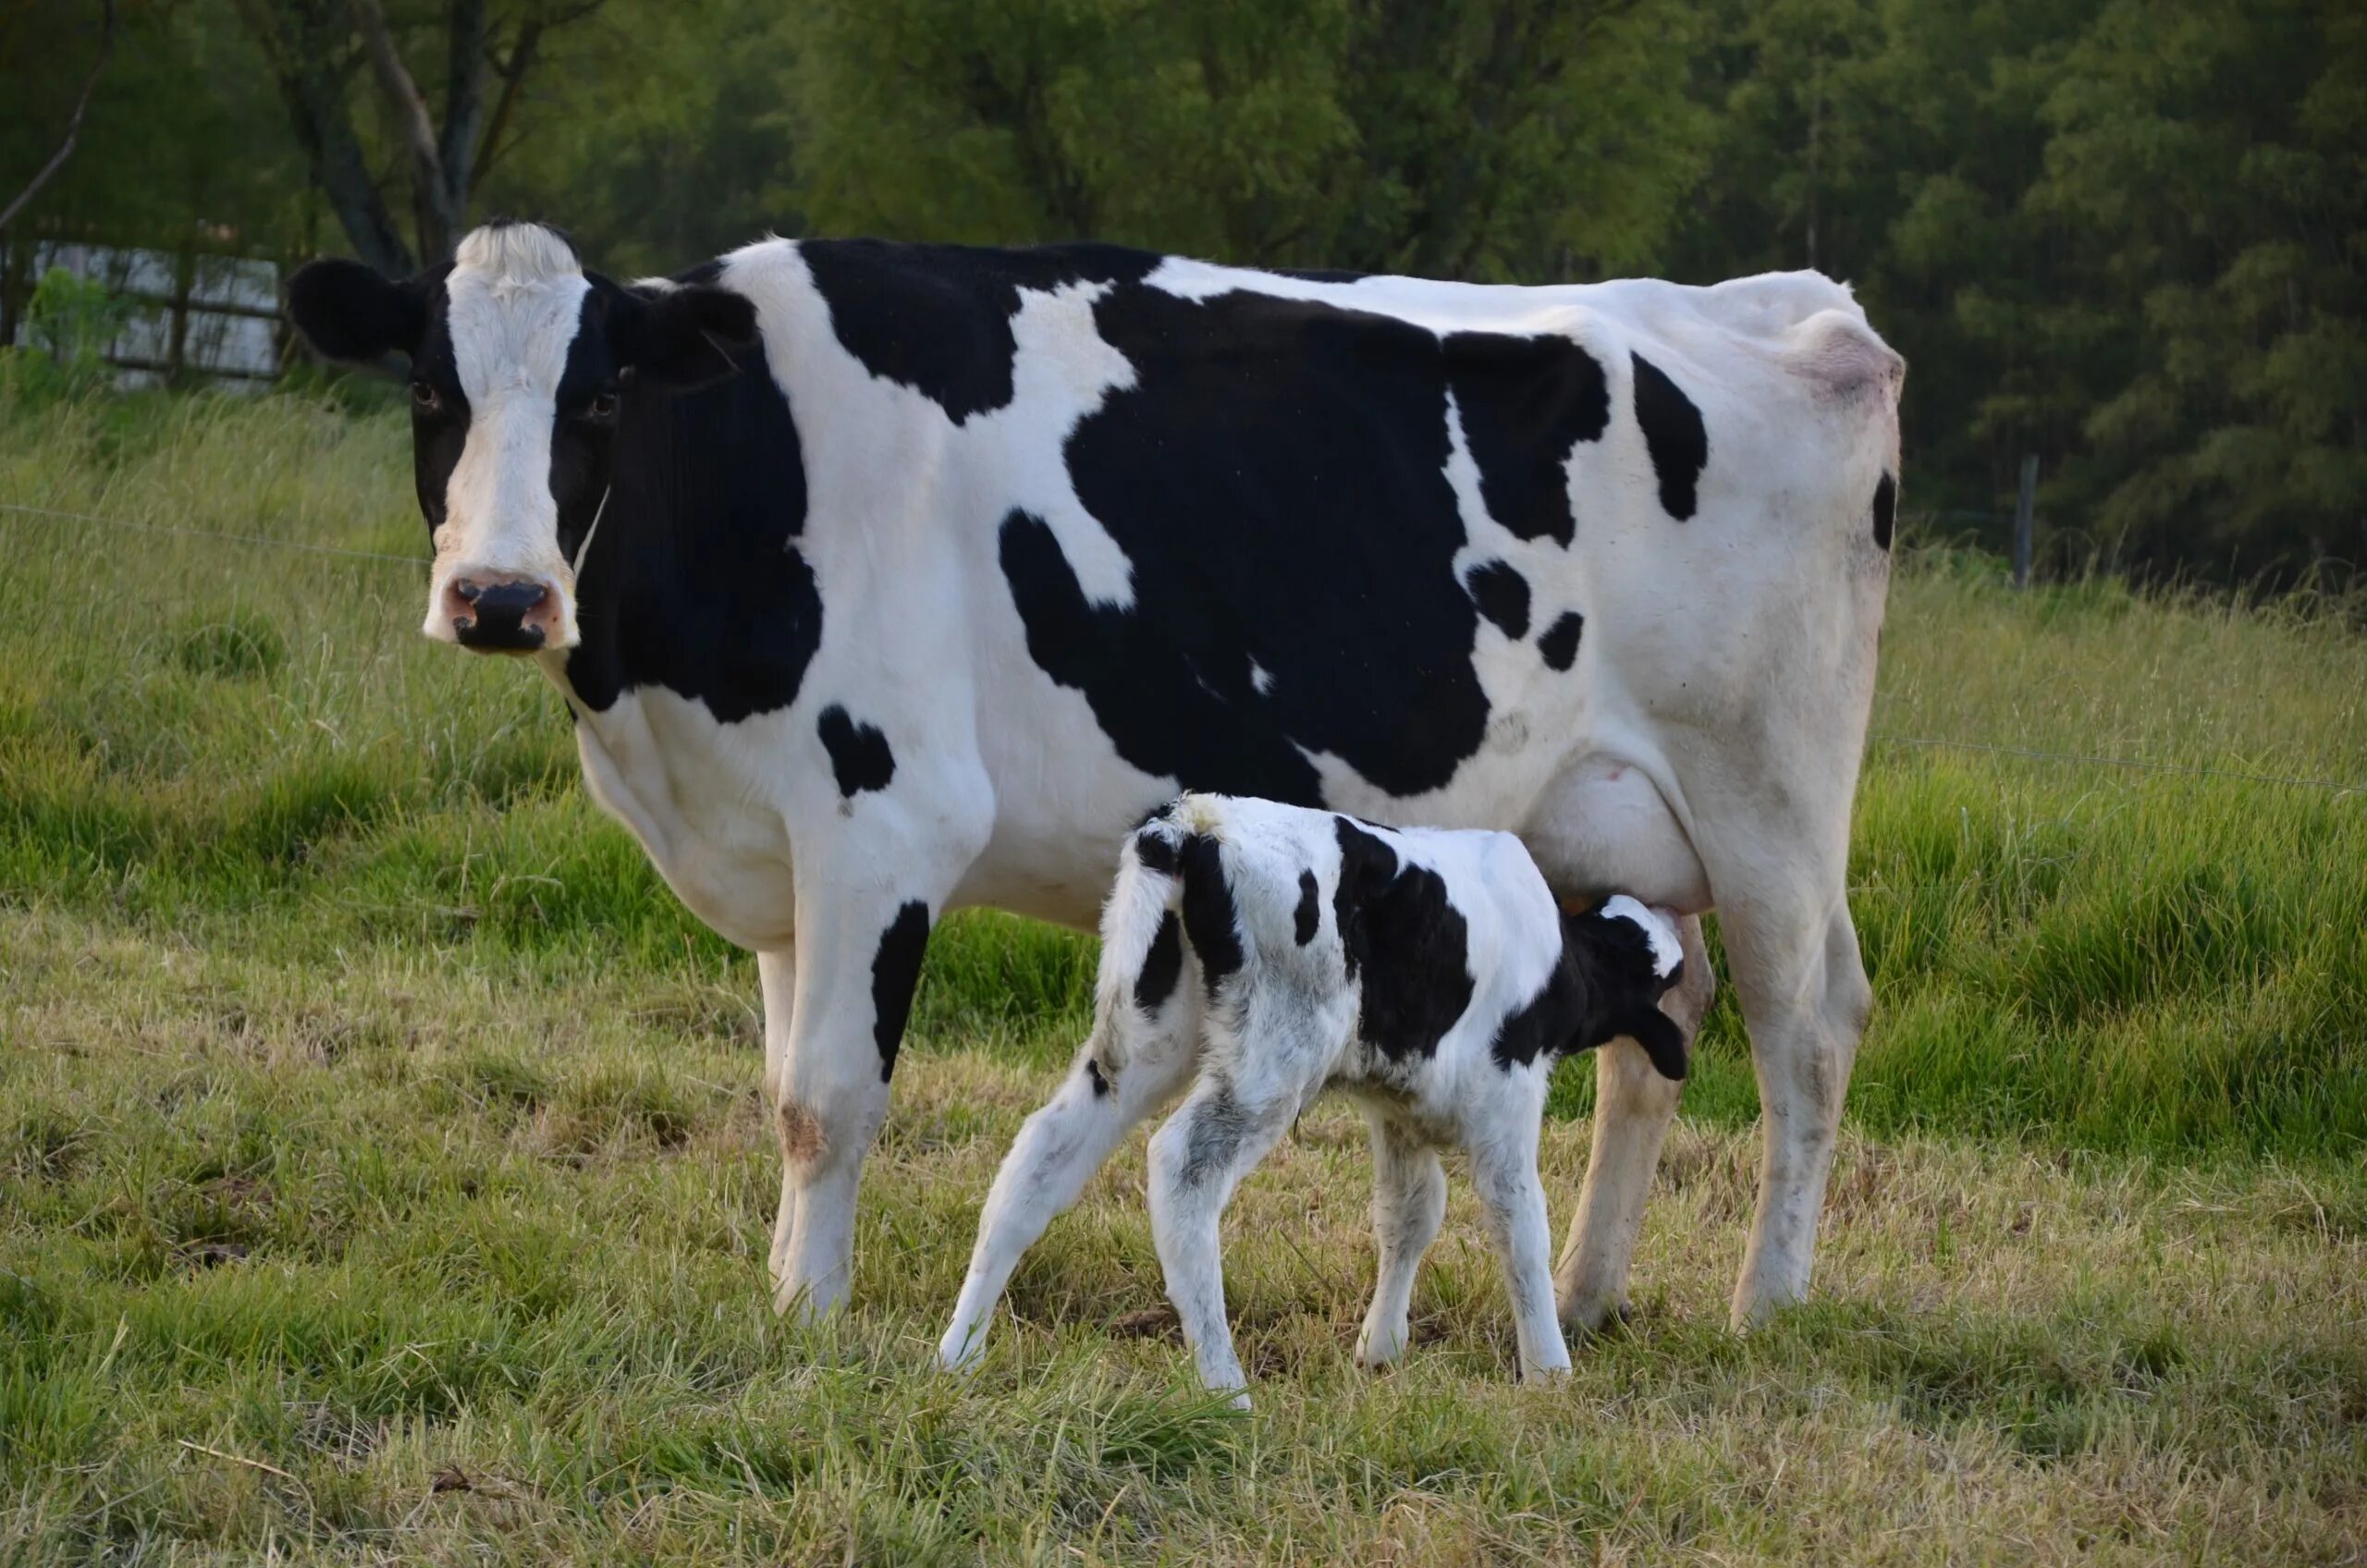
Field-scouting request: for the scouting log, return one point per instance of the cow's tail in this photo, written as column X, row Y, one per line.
column 1148, row 889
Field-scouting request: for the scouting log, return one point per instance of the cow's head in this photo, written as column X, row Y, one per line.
column 1628, row 956
column 522, row 367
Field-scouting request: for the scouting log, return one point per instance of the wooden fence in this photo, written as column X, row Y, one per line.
column 204, row 308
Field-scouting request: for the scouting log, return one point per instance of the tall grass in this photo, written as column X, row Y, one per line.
column 254, row 744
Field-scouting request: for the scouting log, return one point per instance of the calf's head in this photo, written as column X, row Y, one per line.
column 1627, row 957
column 523, row 367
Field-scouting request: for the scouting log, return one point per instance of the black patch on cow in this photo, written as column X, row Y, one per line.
column 1674, row 436
column 859, row 753
column 1546, row 1024
column 1161, row 964
column 693, row 580
column 1276, row 479
column 1143, row 691
column 1212, row 1139
column 1609, row 987
column 1155, row 851
column 937, row 318
column 1307, row 919
column 1525, row 403
column 1559, row 645
column 1408, row 946
column 1318, row 275
column 1209, row 918
column 1885, row 509
column 895, row 972
column 1092, row 1075
column 1502, row 594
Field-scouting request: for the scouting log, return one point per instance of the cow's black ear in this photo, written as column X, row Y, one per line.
column 683, row 337
column 351, row 311
column 1664, row 1042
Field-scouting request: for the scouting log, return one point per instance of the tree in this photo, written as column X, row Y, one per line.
column 317, row 49
column 74, row 123
column 2207, row 173
column 1474, row 138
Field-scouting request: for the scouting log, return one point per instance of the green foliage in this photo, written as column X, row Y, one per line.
column 68, row 323
column 1472, row 140
column 2125, row 235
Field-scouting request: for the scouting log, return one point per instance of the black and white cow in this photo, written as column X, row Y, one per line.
column 1253, row 955
column 883, row 580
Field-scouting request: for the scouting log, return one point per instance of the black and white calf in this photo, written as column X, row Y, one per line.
column 1255, row 954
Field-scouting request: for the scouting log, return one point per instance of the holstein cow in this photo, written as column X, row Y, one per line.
column 1260, row 953
column 883, row 580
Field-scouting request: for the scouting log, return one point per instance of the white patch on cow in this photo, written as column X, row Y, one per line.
column 1667, row 950
column 1261, row 680
column 515, row 298
column 1063, row 373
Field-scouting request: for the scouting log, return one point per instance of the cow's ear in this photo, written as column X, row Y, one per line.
column 349, row 311
column 1664, row 1042
column 682, row 337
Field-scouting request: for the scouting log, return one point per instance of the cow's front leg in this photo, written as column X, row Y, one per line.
column 858, row 958
column 1633, row 1108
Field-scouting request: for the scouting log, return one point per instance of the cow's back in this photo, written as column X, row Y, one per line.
column 1408, row 548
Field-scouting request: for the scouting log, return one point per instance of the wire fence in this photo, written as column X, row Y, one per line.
column 1878, row 737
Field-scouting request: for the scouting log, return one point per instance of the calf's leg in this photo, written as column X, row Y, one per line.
column 1196, row 1159
column 1408, row 1204
column 1058, row 1151
column 1503, row 1169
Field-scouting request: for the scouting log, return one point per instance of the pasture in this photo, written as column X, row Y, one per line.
column 383, row 1174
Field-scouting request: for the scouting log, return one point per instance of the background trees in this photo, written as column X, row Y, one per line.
column 2127, row 235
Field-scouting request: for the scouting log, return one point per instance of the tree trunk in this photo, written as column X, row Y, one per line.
column 73, row 124
column 301, row 41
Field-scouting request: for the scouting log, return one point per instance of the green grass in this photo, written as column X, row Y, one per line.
column 382, row 1175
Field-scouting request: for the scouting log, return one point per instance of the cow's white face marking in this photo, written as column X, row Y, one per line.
column 515, row 299
column 1668, row 951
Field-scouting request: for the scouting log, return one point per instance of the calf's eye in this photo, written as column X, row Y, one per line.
column 602, row 407
column 426, row 399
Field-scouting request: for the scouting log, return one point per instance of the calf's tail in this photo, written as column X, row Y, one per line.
column 1148, row 890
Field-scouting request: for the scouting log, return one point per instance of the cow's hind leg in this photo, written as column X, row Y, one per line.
column 1633, row 1108
column 1058, row 1151
column 1802, row 985
column 778, row 972
column 1196, row 1159
column 1408, row 1203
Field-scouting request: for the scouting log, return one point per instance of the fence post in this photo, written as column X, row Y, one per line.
column 2025, row 515
column 14, row 260
column 184, row 284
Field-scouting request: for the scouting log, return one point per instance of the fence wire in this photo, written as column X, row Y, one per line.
column 1881, row 736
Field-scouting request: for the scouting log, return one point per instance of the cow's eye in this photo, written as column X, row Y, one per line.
column 602, row 408
column 426, row 399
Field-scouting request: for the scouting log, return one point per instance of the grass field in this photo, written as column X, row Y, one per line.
column 383, row 1175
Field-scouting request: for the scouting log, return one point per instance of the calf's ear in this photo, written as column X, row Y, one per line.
column 682, row 337
column 349, row 311
column 1664, row 1042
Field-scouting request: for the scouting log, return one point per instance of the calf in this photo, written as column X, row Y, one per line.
column 1260, row 952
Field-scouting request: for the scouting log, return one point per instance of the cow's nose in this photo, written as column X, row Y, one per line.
column 503, row 615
